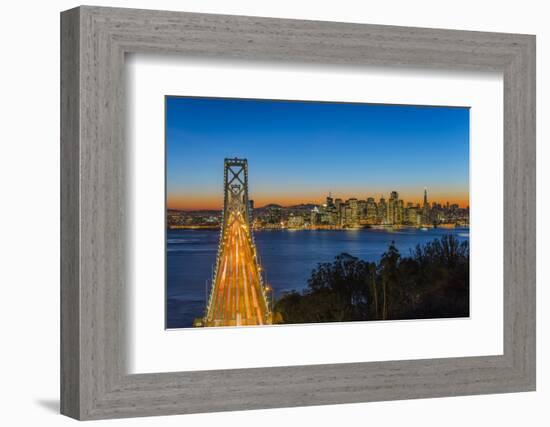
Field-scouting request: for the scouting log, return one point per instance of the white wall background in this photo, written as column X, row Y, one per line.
column 29, row 212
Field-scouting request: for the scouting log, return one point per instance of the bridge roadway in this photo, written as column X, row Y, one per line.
column 237, row 298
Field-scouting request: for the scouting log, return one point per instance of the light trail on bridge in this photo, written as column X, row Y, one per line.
column 238, row 296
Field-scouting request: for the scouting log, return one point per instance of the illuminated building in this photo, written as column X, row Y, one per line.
column 295, row 221
column 425, row 208
column 353, row 219
column 371, row 211
column 382, row 211
column 315, row 216
column 392, row 214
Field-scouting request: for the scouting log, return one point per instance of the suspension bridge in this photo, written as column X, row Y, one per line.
column 238, row 296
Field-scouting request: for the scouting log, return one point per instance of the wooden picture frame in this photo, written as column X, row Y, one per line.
column 94, row 382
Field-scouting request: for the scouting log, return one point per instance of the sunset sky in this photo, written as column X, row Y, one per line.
column 299, row 151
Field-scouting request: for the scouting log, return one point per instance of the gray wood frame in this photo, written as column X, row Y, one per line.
column 94, row 41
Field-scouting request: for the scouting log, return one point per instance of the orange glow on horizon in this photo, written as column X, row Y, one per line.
column 195, row 203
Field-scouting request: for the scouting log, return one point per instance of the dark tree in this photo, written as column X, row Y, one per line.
column 433, row 282
column 389, row 276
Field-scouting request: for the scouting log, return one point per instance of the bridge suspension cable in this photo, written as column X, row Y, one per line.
column 238, row 296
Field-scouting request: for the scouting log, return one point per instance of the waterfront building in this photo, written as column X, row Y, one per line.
column 412, row 216
column 315, row 217
column 274, row 214
column 382, row 210
column 295, row 221
column 399, row 212
column 353, row 219
column 341, row 214
column 426, row 208
column 331, row 213
column 392, row 214
column 371, row 211
column 362, row 214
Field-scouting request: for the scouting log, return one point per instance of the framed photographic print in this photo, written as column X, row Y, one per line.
column 286, row 250
column 262, row 213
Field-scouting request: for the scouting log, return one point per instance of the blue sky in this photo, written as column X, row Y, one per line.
column 299, row 151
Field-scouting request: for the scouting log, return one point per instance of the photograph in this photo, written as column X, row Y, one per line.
column 297, row 212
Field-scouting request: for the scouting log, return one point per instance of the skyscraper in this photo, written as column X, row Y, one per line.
column 372, row 211
column 399, row 212
column 362, row 214
column 315, row 218
column 425, row 208
column 392, row 213
column 382, row 211
column 352, row 218
column 330, row 213
column 337, row 205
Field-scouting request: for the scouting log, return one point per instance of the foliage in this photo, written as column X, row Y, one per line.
column 433, row 282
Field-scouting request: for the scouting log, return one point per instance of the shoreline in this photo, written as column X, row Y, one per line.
column 375, row 227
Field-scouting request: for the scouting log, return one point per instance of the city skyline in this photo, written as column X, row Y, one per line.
column 335, row 214
column 321, row 200
column 300, row 151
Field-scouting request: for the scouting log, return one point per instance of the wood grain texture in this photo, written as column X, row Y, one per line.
column 70, row 221
column 94, row 381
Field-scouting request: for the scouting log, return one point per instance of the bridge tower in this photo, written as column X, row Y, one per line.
column 238, row 296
